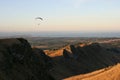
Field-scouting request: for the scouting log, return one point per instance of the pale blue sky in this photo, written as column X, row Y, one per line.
column 60, row 15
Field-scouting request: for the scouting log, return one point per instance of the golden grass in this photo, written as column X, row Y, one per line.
column 110, row 73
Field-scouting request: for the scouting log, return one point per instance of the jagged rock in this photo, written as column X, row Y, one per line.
column 66, row 54
column 74, row 51
column 47, row 61
column 19, row 62
column 83, row 60
column 94, row 56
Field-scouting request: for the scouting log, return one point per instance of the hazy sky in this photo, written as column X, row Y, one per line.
column 60, row 15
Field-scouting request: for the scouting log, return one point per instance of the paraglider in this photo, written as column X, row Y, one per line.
column 38, row 19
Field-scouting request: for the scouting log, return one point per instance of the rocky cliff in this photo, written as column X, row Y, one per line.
column 83, row 59
column 19, row 62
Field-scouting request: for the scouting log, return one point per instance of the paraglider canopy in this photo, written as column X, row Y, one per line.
column 38, row 19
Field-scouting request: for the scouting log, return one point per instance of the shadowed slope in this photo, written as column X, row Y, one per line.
column 19, row 62
column 82, row 59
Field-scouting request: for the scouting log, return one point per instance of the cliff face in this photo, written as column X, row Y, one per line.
column 19, row 62
column 81, row 60
column 94, row 56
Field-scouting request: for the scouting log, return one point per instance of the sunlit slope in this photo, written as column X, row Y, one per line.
column 110, row 73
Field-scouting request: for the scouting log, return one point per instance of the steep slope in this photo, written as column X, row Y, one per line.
column 82, row 59
column 19, row 62
column 110, row 73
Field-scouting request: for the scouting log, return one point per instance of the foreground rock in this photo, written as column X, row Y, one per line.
column 19, row 62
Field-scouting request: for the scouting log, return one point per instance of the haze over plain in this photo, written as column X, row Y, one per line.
column 60, row 15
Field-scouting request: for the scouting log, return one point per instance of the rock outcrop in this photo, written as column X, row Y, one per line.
column 66, row 54
column 83, row 59
column 19, row 62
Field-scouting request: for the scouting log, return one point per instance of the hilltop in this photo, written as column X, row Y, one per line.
column 81, row 59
